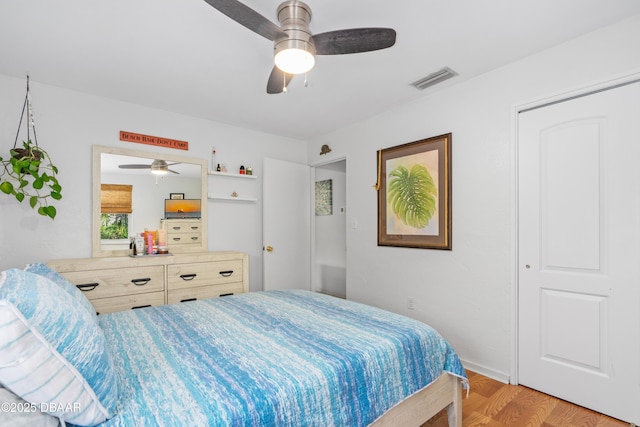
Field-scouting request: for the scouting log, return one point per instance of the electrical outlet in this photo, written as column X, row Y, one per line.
column 411, row 303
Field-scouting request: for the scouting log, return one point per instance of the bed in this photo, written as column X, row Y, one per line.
column 276, row 358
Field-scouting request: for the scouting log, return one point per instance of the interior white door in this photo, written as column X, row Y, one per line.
column 286, row 228
column 579, row 251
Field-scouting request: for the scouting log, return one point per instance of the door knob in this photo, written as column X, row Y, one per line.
column 269, row 248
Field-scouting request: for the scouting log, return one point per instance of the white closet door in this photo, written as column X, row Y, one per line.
column 579, row 251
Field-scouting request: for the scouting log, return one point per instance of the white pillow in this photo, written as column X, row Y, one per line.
column 52, row 352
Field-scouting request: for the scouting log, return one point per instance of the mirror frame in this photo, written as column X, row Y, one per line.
column 98, row 150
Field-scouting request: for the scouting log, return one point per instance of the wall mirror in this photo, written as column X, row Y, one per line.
column 133, row 171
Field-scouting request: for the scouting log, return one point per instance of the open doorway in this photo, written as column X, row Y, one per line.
column 329, row 251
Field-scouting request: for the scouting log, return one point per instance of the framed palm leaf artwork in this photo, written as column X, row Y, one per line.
column 414, row 194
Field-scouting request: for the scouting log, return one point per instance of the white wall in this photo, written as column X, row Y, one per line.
column 68, row 123
column 465, row 293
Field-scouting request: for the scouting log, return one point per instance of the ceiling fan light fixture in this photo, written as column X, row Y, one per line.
column 294, row 57
column 294, row 61
column 159, row 167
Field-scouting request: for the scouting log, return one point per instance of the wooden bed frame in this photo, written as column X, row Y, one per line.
column 445, row 392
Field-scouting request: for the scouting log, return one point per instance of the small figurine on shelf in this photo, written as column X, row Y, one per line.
column 241, row 170
column 249, row 170
column 218, row 168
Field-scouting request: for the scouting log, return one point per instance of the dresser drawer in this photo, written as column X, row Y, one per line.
column 127, row 302
column 174, row 239
column 183, row 226
column 203, row 292
column 204, row 273
column 97, row 284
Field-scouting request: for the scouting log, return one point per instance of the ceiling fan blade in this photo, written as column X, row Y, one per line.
column 248, row 17
column 278, row 80
column 134, row 166
column 354, row 40
column 172, row 171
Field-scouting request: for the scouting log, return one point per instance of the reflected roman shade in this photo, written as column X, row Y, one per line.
column 115, row 198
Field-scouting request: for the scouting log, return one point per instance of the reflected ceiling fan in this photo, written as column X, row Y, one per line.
column 295, row 46
column 158, row 167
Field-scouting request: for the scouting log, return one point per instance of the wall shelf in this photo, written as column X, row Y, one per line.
column 248, row 189
column 231, row 198
column 232, row 175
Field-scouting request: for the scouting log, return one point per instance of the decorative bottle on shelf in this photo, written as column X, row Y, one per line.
column 218, row 168
column 241, row 170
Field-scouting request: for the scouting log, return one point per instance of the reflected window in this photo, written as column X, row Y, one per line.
column 114, row 226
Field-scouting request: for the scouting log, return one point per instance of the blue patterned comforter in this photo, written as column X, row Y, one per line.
column 277, row 358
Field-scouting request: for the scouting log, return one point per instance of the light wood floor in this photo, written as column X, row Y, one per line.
column 494, row 404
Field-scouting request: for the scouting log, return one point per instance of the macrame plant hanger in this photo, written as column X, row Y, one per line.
column 31, row 124
column 30, row 167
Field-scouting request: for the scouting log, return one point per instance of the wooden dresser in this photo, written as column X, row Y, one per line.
column 183, row 235
column 122, row 283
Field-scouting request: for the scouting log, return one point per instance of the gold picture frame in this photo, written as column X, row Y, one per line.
column 414, row 194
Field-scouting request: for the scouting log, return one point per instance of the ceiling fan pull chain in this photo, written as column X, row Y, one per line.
column 306, row 82
column 284, row 82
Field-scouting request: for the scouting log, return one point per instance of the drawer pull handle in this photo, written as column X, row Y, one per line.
column 188, row 299
column 195, row 228
column 226, row 295
column 140, row 306
column 226, row 273
column 177, row 228
column 88, row 286
column 176, row 239
column 141, row 282
column 188, row 276
column 194, row 238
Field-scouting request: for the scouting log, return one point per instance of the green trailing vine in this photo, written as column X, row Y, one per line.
column 29, row 174
column 413, row 195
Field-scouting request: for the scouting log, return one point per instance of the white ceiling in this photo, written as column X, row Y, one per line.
column 186, row 57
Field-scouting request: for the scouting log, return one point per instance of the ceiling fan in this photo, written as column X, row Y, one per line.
column 295, row 44
column 158, row 167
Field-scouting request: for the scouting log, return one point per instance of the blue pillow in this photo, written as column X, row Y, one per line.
column 52, row 352
column 58, row 279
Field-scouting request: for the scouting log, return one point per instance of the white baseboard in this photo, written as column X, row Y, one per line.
column 487, row 372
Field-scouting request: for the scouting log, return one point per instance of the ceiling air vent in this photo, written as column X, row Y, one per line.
column 434, row 78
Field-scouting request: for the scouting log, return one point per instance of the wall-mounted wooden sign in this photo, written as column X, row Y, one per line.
column 153, row 140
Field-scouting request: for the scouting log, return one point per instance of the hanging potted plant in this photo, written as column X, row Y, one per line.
column 28, row 173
